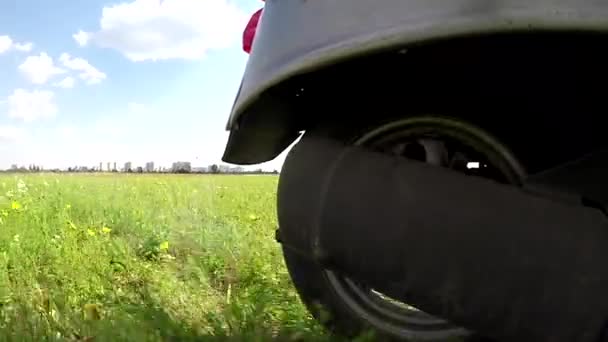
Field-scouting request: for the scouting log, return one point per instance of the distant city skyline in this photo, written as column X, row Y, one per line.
column 90, row 161
column 146, row 167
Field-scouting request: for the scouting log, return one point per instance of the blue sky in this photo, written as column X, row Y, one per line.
column 92, row 81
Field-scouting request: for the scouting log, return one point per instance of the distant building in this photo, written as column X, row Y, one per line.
column 238, row 169
column 128, row 166
column 200, row 169
column 229, row 169
column 181, row 167
column 150, row 167
column 114, row 169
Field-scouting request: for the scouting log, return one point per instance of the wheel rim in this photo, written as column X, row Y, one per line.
column 444, row 143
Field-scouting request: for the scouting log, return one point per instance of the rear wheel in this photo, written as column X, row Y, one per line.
column 350, row 308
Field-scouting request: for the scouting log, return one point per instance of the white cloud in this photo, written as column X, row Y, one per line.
column 10, row 133
column 7, row 44
column 81, row 37
column 66, row 83
column 39, row 69
column 170, row 29
column 30, row 106
column 88, row 73
column 25, row 47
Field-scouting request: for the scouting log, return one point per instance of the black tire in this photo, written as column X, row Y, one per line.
column 317, row 287
column 328, row 308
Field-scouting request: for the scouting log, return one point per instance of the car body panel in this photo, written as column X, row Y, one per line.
column 301, row 36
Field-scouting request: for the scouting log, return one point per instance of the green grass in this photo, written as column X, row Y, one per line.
column 144, row 258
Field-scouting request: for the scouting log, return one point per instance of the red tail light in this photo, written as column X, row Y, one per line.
column 249, row 34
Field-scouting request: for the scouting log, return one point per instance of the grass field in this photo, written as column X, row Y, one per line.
column 144, row 258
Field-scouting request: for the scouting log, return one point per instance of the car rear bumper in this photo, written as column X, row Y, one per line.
column 296, row 37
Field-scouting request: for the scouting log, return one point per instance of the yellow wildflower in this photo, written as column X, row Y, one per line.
column 164, row 245
column 16, row 205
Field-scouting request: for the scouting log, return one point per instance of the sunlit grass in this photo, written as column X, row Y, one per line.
column 144, row 258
